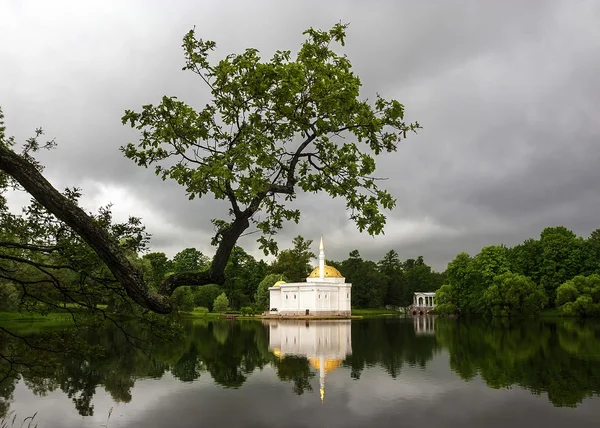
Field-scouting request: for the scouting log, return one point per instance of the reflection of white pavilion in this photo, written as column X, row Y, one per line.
column 326, row 344
column 424, row 325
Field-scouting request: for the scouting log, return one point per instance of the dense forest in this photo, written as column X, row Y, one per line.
column 558, row 270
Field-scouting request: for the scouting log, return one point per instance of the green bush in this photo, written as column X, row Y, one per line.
column 183, row 299
column 580, row 296
column 247, row 310
column 201, row 310
column 221, row 303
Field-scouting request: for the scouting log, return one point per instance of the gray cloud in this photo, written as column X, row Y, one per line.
column 507, row 93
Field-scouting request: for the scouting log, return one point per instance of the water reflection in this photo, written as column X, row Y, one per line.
column 324, row 344
column 556, row 359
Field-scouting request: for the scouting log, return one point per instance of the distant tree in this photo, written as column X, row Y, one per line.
column 368, row 285
column 294, row 263
column 526, row 259
column 244, row 274
column 261, row 297
column 206, row 295
column 445, row 300
column 183, row 299
column 190, row 260
column 221, row 303
column 580, row 296
column 161, row 266
column 512, row 294
column 562, row 258
column 391, row 267
column 591, row 251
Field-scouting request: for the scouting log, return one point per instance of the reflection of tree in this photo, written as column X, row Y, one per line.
column 561, row 359
column 296, row 369
column 556, row 358
column 389, row 343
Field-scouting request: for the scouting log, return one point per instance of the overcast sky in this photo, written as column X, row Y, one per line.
column 507, row 92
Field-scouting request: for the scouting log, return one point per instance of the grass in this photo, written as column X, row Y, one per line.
column 376, row 312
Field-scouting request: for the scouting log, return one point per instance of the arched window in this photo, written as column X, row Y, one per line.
column 294, row 296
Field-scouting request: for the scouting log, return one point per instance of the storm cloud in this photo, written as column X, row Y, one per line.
column 507, row 92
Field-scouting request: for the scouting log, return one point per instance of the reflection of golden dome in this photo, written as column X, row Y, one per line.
column 277, row 352
column 329, row 364
column 330, row 272
column 278, row 283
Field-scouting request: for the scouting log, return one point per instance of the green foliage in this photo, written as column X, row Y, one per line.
column 221, row 303
column 368, row 284
column 247, row 310
column 445, row 300
column 556, row 258
column 160, row 266
column 189, row 260
column 9, row 296
column 244, row 274
column 201, row 310
column 183, row 299
column 262, row 293
column 526, row 259
column 562, row 258
column 206, row 295
column 294, row 263
column 580, row 296
column 512, row 295
column 391, row 268
column 271, row 128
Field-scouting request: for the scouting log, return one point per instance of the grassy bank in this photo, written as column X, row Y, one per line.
column 376, row 312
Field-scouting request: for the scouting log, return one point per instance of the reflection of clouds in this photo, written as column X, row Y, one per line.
column 381, row 391
column 434, row 395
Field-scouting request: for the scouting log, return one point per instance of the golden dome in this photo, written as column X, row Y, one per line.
column 330, row 272
column 278, row 283
column 330, row 364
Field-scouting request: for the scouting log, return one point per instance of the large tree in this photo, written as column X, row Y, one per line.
column 271, row 129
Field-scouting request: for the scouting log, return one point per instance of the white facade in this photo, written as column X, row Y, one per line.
column 324, row 343
column 327, row 293
column 424, row 300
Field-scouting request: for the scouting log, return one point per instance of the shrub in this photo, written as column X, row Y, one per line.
column 221, row 303
column 201, row 310
column 247, row 310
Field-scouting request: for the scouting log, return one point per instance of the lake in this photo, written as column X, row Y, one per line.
column 384, row 372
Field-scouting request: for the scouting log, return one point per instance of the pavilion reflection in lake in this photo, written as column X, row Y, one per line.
column 324, row 343
column 424, row 325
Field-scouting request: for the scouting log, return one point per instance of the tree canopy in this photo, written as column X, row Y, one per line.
column 271, row 129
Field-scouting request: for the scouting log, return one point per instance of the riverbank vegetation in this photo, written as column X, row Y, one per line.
column 557, row 271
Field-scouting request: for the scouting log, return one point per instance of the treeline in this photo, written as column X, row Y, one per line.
column 558, row 270
column 389, row 282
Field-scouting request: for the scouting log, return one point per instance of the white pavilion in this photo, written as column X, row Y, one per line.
column 324, row 343
column 325, row 292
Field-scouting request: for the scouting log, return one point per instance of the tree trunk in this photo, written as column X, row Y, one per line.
column 28, row 176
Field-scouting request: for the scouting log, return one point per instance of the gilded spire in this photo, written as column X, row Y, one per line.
column 321, row 246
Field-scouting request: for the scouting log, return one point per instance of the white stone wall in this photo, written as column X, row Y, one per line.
column 319, row 298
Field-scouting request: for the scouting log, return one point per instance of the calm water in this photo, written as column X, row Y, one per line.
column 379, row 373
